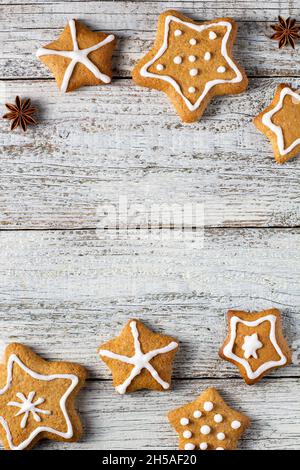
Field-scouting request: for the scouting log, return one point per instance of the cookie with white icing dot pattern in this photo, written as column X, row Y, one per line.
column 255, row 343
column 79, row 57
column 191, row 62
column 208, row 423
column 37, row 399
column 139, row 358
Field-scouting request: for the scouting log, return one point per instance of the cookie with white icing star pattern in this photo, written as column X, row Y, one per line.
column 192, row 62
column 37, row 399
column 79, row 57
column 139, row 358
column 255, row 343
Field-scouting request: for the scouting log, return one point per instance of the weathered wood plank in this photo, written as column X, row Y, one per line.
column 137, row 15
column 138, row 421
column 66, row 292
column 288, row 5
column 24, row 28
column 93, row 147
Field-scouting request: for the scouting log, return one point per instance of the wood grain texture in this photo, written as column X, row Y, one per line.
column 24, row 28
column 139, row 14
column 141, row 418
column 64, row 292
column 84, row 285
column 61, row 173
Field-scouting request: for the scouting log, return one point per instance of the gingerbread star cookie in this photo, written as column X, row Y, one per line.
column 192, row 63
column 79, row 57
column 255, row 343
column 37, row 399
column 280, row 122
column 208, row 423
column 139, row 358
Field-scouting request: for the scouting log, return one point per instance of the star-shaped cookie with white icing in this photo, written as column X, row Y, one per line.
column 139, row 358
column 208, row 423
column 280, row 122
column 37, row 399
column 79, row 57
column 255, row 343
column 192, row 62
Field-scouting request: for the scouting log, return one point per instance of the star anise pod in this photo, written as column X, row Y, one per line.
column 20, row 113
column 286, row 32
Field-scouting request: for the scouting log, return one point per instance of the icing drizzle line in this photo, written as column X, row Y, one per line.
column 26, row 406
column 266, row 365
column 74, row 381
column 139, row 360
column 78, row 55
column 210, row 84
column 267, row 121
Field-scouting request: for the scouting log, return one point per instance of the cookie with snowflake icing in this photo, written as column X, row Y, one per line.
column 139, row 358
column 192, row 62
column 37, row 399
column 255, row 343
column 208, row 423
column 280, row 122
column 79, row 57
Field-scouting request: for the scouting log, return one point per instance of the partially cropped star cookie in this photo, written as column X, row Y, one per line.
column 255, row 343
column 192, row 62
column 139, row 358
column 280, row 122
column 37, row 399
column 79, row 57
column 208, row 423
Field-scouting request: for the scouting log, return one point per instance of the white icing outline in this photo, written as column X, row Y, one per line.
column 139, row 360
column 267, row 121
column 210, row 84
column 227, row 351
column 13, row 358
column 78, row 55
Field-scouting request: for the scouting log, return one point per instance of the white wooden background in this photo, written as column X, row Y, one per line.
column 65, row 287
